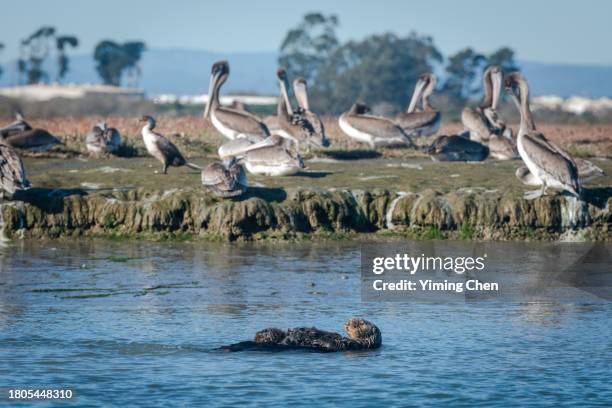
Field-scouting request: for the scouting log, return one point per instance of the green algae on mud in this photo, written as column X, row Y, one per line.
column 333, row 199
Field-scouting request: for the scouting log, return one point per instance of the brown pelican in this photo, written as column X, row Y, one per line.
column 425, row 122
column 502, row 147
column 231, row 123
column 102, row 139
column 456, row 148
column 292, row 125
column 475, row 120
column 374, row 130
column 272, row 157
column 549, row 164
column 21, row 135
column 484, row 124
column 586, row 172
column 237, row 105
column 237, row 147
column 300, row 89
column 225, row 180
column 12, row 172
column 161, row 148
column 18, row 126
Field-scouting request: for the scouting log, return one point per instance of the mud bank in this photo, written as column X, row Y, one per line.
column 275, row 213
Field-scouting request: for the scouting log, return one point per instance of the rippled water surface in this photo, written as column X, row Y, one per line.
column 135, row 323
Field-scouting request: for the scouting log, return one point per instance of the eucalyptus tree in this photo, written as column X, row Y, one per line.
column 36, row 48
column 61, row 43
column 114, row 59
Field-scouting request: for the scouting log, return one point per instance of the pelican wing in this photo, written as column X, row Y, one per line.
column 379, row 127
column 551, row 159
column 31, row 139
column 238, row 147
column 223, row 182
column 493, row 119
column 274, row 155
column 12, row 172
column 267, row 142
column 14, row 128
column 588, row 170
column 316, row 122
column 214, row 174
column 96, row 139
column 271, row 122
column 501, row 146
column 417, row 120
column 475, row 122
column 298, row 127
column 318, row 138
column 242, row 121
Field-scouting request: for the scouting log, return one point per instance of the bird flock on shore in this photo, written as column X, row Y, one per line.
column 273, row 146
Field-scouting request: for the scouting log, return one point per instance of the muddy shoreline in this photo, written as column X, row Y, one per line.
column 343, row 194
column 300, row 213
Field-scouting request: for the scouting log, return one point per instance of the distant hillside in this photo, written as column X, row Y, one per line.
column 568, row 80
column 186, row 72
column 181, row 71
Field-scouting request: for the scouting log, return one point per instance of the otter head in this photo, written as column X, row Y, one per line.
column 363, row 332
column 269, row 336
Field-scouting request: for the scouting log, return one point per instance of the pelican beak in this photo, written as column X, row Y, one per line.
column 284, row 89
column 496, row 79
column 214, row 79
column 416, row 95
column 301, row 93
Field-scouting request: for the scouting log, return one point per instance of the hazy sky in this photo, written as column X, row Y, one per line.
column 559, row 31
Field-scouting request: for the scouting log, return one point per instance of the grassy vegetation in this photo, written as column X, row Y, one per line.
column 196, row 137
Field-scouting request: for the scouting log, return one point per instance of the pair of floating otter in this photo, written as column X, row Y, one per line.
column 361, row 335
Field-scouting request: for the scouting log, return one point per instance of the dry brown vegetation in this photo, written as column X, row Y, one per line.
column 197, row 137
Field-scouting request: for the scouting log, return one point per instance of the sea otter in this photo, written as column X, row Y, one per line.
column 362, row 335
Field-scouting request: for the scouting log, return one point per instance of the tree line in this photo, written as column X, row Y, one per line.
column 380, row 69
column 114, row 61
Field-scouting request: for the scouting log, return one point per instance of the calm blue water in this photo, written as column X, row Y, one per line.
column 137, row 329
